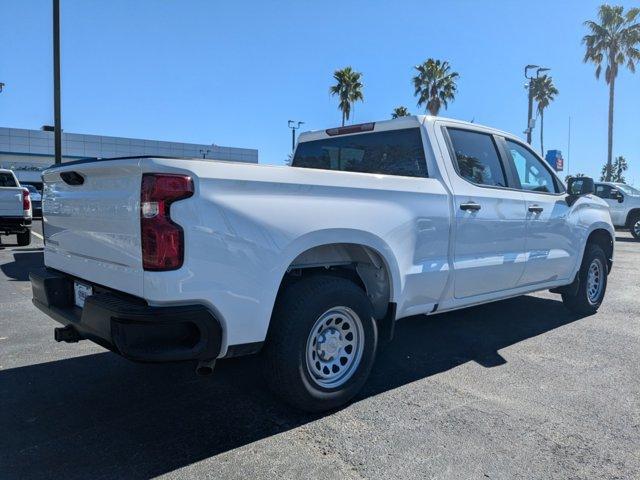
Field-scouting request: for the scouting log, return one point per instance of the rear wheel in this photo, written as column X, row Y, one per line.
column 321, row 344
column 635, row 226
column 24, row 238
column 592, row 282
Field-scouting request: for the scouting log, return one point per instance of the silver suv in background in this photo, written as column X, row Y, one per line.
column 624, row 205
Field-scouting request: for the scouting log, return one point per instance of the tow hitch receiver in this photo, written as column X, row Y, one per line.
column 66, row 334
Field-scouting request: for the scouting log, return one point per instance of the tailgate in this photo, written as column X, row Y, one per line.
column 11, row 202
column 91, row 222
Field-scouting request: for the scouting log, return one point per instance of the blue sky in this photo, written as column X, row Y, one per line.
column 233, row 72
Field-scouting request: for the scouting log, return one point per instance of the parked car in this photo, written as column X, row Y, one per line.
column 624, row 205
column 36, row 199
column 163, row 259
column 15, row 208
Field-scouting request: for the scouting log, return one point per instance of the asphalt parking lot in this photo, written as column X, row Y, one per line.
column 515, row 389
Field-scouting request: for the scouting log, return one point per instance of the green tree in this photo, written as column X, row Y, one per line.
column 575, row 175
column 348, row 88
column 400, row 112
column 616, row 173
column 612, row 42
column 544, row 92
column 435, row 85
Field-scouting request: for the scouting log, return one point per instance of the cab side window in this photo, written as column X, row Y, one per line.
column 603, row 191
column 477, row 157
column 533, row 174
column 608, row 192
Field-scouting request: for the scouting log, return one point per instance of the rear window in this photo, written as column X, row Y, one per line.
column 394, row 152
column 7, row 180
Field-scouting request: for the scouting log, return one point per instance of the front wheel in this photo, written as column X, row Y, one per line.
column 635, row 226
column 321, row 343
column 592, row 282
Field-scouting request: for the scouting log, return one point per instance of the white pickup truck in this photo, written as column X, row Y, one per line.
column 15, row 208
column 624, row 205
column 162, row 259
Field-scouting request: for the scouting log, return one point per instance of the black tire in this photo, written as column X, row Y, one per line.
column 582, row 302
column 24, row 238
column 634, row 226
column 297, row 310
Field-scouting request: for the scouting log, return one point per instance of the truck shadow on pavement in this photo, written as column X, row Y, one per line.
column 25, row 260
column 102, row 416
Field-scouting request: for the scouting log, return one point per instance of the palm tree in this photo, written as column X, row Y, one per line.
column 348, row 88
column 435, row 85
column 400, row 112
column 544, row 92
column 611, row 43
column 616, row 174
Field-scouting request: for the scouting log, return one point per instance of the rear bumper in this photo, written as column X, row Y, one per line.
column 14, row 224
column 127, row 325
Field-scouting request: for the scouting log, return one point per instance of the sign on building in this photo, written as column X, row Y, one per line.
column 554, row 158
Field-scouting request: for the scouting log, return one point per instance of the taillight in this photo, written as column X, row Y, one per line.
column 26, row 199
column 162, row 239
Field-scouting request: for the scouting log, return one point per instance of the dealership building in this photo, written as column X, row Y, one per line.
column 28, row 152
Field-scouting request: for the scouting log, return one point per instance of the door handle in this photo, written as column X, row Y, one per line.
column 535, row 209
column 471, row 206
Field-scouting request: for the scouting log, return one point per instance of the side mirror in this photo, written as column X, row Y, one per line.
column 579, row 186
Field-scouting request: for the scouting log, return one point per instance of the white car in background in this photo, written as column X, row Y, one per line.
column 15, row 208
column 162, row 259
column 624, row 205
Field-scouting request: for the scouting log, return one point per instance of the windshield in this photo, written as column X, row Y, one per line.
column 628, row 190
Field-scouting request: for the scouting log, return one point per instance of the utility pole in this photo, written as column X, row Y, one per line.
column 569, row 145
column 294, row 125
column 529, row 128
column 57, row 127
column 530, row 98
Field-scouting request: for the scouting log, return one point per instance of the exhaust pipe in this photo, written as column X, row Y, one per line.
column 205, row 367
column 66, row 334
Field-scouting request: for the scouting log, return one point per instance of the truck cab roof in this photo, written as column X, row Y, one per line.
column 410, row 121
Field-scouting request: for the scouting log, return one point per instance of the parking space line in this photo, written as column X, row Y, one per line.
column 37, row 235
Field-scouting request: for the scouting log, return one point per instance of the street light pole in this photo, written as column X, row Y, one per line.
column 57, row 128
column 530, row 95
column 294, row 125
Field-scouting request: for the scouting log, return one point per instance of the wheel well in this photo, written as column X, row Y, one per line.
column 603, row 239
column 358, row 263
column 632, row 213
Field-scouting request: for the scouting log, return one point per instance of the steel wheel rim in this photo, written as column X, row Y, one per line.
column 334, row 347
column 595, row 281
column 636, row 228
